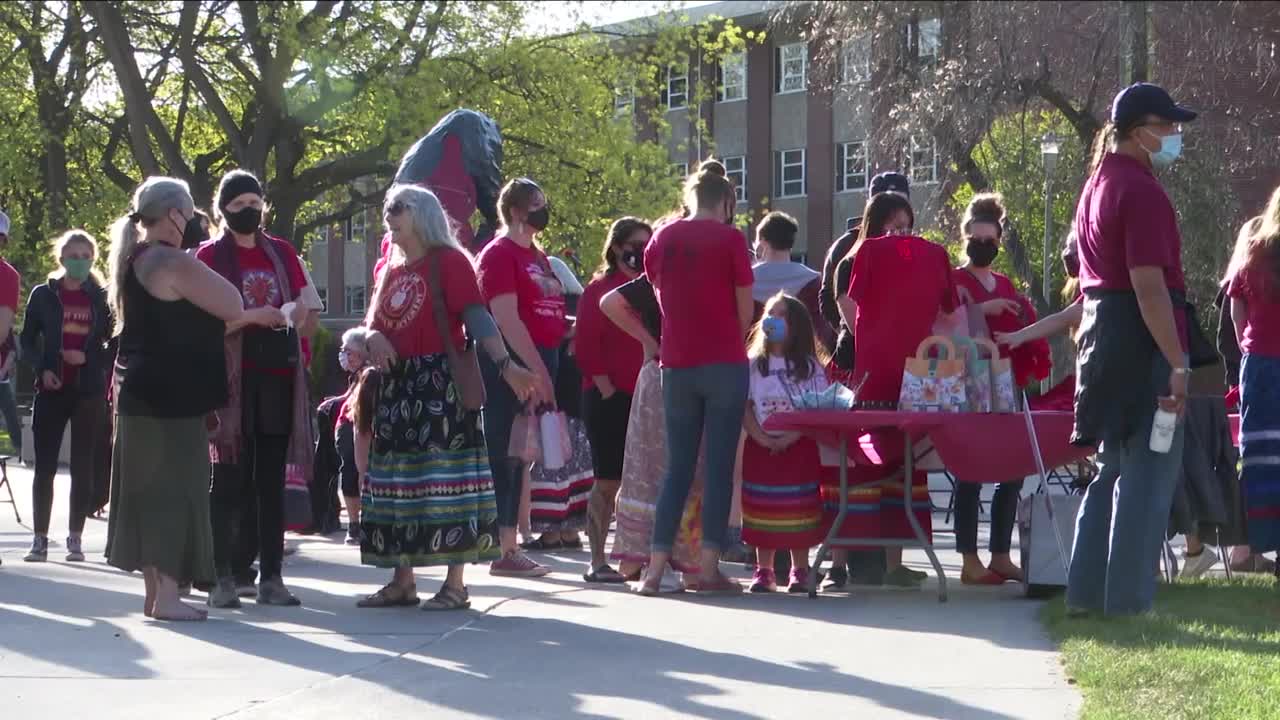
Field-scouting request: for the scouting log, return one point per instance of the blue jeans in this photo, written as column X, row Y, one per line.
column 710, row 398
column 500, row 409
column 1121, row 525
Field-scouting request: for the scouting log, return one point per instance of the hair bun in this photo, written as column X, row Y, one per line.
column 985, row 207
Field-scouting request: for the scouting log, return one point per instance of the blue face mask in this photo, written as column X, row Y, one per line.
column 775, row 329
column 1170, row 150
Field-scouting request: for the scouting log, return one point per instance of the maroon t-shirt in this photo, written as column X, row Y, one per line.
column 1262, row 298
column 77, row 315
column 1124, row 220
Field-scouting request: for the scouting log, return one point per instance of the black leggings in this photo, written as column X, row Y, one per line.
column 247, row 503
column 1004, row 509
column 51, row 412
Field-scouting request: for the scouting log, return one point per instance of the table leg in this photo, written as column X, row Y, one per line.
column 835, row 527
column 907, row 473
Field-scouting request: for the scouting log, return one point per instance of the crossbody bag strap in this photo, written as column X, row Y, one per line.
column 438, row 308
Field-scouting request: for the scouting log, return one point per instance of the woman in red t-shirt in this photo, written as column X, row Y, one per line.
column 266, row 425
column 610, row 362
column 899, row 288
column 1006, row 310
column 427, row 495
column 527, row 302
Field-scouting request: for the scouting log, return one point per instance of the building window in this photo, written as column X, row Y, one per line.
column 676, row 94
column 624, row 99
column 323, row 292
column 922, row 161
column 736, row 170
column 789, row 180
column 855, row 60
column 358, row 226
column 925, row 36
column 793, row 67
column 681, row 170
column 733, row 78
column 851, row 166
column 355, row 299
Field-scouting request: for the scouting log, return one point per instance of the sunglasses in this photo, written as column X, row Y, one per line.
column 396, row 208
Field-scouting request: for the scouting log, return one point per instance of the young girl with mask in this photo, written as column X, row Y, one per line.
column 1006, row 310
column 335, row 463
column 64, row 339
column 781, row 500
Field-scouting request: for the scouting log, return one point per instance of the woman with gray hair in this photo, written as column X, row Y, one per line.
column 335, row 461
column 428, row 496
column 171, row 311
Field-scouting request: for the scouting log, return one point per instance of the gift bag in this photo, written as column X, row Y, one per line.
column 933, row 384
column 977, row 373
column 1004, row 396
column 557, row 444
column 526, row 434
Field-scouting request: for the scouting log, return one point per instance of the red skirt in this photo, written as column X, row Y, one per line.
column 781, row 500
column 875, row 506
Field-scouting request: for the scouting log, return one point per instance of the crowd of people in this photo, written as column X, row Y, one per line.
column 666, row 367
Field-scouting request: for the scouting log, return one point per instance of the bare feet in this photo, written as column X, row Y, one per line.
column 149, row 601
column 178, row 611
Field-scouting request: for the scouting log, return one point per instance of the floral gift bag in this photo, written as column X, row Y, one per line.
column 1004, row 398
column 977, row 376
column 933, row 384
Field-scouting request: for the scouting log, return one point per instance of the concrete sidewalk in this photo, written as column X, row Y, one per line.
column 73, row 642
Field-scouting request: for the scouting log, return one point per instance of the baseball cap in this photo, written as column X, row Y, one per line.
column 1140, row 99
column 890, row 182
column 4, row 224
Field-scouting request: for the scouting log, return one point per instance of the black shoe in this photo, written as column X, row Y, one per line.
column 39, row 549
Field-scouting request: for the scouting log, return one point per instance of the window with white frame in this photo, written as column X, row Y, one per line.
column 354, row 296
column 789, row 176
column 927, row 38
column 793, row 67
column 676, row 94
column 735, row 168
column 922, row 161
column 855, row 60
column 680, row 170
column 624, row 99
column 358, row 226
column 733, row 78
column 851, row 166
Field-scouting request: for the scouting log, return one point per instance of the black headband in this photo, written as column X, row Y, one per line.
column 236, row 185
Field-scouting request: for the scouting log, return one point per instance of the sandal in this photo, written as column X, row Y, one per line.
column 990, row 577
column 718, row 585
column 448, row 599
column 539, row 545
column 391, row 595
column 604, row 574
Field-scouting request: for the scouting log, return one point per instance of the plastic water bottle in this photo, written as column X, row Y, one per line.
column 1162, row 427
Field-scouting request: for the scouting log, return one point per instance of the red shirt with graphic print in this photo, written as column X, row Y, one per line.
column 77, row 315
column 404, row 311
column 504, row 267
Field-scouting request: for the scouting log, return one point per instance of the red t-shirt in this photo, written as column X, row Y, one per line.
column 10, row 286
column 900, row 285
column 603, row 348
column 405, row 313
column 1124, row 220
column 504, row 267
column 1031, row 361
column 1262, row 323
column 258, row 283
column 696, row 268
column 77, row 315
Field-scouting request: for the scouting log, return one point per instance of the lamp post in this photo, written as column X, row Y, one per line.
column 1049, row 154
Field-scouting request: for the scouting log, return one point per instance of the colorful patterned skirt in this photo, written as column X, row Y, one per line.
column 559, row 498
column 1260, row 450
column 643, row 470
column 781, row 503
column 876, row 506
column 428, row 499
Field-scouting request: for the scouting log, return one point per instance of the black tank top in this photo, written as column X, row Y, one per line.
column 171, row 361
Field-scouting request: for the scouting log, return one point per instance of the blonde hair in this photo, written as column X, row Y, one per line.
column 81, row 237
column 152, row 201
column 1258, row 247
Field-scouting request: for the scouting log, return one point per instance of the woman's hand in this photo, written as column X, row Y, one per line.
column 523, row 383
column 299, row 315
column 546, row 390
column 1012, row 340
column 50, row 380
column 73, row 357
column 265, row 316
column 382, row 354
column 999, row 306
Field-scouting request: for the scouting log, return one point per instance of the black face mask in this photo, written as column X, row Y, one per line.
column 538, row 219
column 193, row 234
column 981, row 254
column 634, row 260
column 245, row 220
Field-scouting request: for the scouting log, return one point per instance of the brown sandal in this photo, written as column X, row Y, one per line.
column 448, row 599
column 391, row 595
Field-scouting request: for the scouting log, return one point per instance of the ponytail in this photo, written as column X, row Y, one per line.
column 1101, row 144
column 124, row 238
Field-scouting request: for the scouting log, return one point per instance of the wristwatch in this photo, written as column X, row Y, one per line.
column 1182, row 371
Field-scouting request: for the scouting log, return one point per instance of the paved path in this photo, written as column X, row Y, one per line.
column 73, row 643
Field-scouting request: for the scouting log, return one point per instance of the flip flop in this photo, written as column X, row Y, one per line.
column 990, row 577
column 604, row 575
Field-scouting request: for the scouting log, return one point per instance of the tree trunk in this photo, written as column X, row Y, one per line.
column 1136, row 45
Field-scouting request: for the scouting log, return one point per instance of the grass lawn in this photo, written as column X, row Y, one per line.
column 1210, row 649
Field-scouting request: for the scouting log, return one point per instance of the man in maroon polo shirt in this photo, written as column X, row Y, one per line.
column 1133, row 353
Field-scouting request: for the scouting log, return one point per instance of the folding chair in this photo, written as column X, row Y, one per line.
column 4, row 481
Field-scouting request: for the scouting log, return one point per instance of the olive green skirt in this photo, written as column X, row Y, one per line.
column 160, row 497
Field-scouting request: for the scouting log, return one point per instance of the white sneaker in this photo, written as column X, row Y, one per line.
column 1193, row 566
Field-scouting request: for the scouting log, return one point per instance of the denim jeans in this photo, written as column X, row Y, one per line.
column 1121, row 525
column 708, row 399
column 500, row 409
